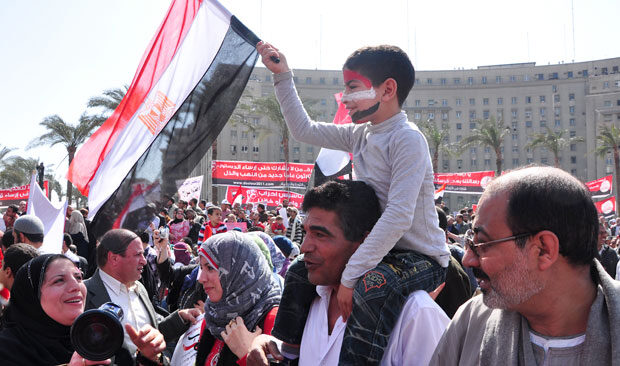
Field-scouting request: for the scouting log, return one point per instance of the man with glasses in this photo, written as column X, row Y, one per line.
column 546, row 299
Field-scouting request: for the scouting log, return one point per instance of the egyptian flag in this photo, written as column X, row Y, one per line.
column 439, row 193
column 185, row 89
column 331, row 164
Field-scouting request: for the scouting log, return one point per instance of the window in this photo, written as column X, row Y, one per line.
column 514, row 113
column 310, row 149
column 417, row 102
column 458, row 101
column 607, row 103
column 321, row 80
column 530, row 160
column 556, row 98
column 514, row 126
column 571, row 96
column 323, row 101
column 543, row 123
column 472, row 101
column 573, row 133
column 556, row 111
column 233, row 149
column 515, row 162
column 528, row 123
column 487, row 162
column 308, row 80
column 484, row 80
column 458, row 114
column 470, row 80
column 528, row 114
column 513, row 78
column 472, row 115
column 244, row 134
column 458, row 138
column 513, row 100
column 416, row 116
column 604, row 70
column 584, row 73
column 500, row 114
column 255, row 121
column 498, row 80
column 472, row 125
column 543, row 160
column 528, row 100
column 540, row 76
column 485, row 101
column 444, row 102
column 443, row 81
column 244, row 148
column 553, row 76
column 459, row 163
column 431, row 115
column 474, row 162
column 487, row 149
column 515, row 149
column 255, row 149
column 554, row 88
column 569, row 74
column 429, row 81
column 431, row 102
column 573, row 147
column 542, row 111
column 571, row 122
column 500, row 101
column 515, row 137
column 233, row 133
column 485, row 114
column 571, row 110
column 526, row 77
column 446, row 164
column 335, row 81
column 472, row 150
column 444, row 116
column 542, row 98
column 573, row 160
column 456, row 81
column 558, row 123
column 295, row 79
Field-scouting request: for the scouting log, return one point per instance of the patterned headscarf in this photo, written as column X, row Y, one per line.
column 249, row 289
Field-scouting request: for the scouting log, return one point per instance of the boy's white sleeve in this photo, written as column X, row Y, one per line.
column 408, row 157
column 301, row 127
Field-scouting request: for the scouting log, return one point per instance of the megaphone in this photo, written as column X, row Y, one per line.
column 97, row 334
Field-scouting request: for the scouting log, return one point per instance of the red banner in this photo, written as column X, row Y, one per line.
column 464, row 183
column 601, row 187
column 606, row 207
column 271, row 198
column 12, row 196
column 253, row 174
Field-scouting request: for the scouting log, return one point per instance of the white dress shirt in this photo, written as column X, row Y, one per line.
column 412, row 341
column 133, row 309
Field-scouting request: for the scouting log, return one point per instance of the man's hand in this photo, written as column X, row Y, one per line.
column 149, row 341
column 189, row 315
column 267, row 51
column 345, row 301
column 200, row 305
column 162, row 247
column 238, row 338
column 262, row 346
column 77, row 360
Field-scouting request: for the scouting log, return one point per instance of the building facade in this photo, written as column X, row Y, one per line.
column 576, row 97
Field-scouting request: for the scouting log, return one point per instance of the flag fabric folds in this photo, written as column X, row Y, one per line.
column 184, row 91
column 52, row 216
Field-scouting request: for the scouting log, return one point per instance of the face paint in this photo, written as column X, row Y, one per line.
column 358, row 117
column 360, row 95
column 349, row 75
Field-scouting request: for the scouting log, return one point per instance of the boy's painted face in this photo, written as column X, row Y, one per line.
column 359, row 96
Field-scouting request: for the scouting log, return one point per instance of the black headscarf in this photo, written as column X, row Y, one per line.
column 30, row 336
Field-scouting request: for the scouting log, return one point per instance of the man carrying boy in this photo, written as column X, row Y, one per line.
column 392, row 156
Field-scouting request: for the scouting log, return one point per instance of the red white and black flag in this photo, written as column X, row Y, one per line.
column 463, row 183
column 601, row 187
column 185, row 89
column 606, row 207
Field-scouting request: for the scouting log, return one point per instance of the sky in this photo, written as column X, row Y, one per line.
column 55, row 55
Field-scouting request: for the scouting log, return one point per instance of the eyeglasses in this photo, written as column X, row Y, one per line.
column 469, row 241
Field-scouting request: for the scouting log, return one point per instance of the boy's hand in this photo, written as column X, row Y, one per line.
column 345, row 301
column 266, row 50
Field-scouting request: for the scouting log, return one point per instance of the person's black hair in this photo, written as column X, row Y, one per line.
column 67, row 239
column 115, row 241
column 255, row 228
column 261, row 206
column 17, row 255
column 8, row 239
column 545, row 198
column 144, row 236
column 204, row 202
column 35, row 238
column 379, row 63
column 354, row 202
column 13, row 208
column 195, row 201
column 73, row 249
column 213, row 208
column 443, row 219
column 188, row 240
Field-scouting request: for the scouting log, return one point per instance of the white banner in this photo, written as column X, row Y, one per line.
column 189, row 188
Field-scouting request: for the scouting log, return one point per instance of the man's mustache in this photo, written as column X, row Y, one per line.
column 478, row 273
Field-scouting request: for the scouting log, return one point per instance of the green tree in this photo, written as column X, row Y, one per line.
column 491, row 133
column 4, row 152
column 554, row 141
column 609, row 140
column 66, row 134
column 109, row 100
column 436, row 139
column 17, row 171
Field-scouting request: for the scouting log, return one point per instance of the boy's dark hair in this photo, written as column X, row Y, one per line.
column 67, row 239
column 18, row 255
column 144, row 236
column 355, row 203
column 188, row 240
column 194, row 201
column 8, row 239
column 379, row 63
column 443, row 219
column 256, row 228
column 213, row 208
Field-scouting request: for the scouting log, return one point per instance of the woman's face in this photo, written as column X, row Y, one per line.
column 63, row 293
column 180, row 214
column 210, row 280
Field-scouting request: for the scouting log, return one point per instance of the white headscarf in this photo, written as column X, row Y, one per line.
column 77, row 224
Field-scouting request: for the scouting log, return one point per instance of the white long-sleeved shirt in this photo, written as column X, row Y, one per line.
column 412, row 341
column 393, row 158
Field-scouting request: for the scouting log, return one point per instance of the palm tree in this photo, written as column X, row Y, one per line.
column 436, row 139
column 110, row 99
column 69, row 135
column 554, row 141
column 491, row 133
column 16, row 171
column 4, row 151
column 609, row 139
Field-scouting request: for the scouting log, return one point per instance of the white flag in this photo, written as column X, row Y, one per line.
column 53, row 217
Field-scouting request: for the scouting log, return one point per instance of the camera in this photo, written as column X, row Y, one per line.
column 163, row 232
column 97, row 334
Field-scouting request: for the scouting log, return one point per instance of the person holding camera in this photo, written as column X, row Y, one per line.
column 121, row 260
column 47, row 296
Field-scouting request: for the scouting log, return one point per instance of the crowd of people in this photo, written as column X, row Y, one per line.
column 386, row 276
